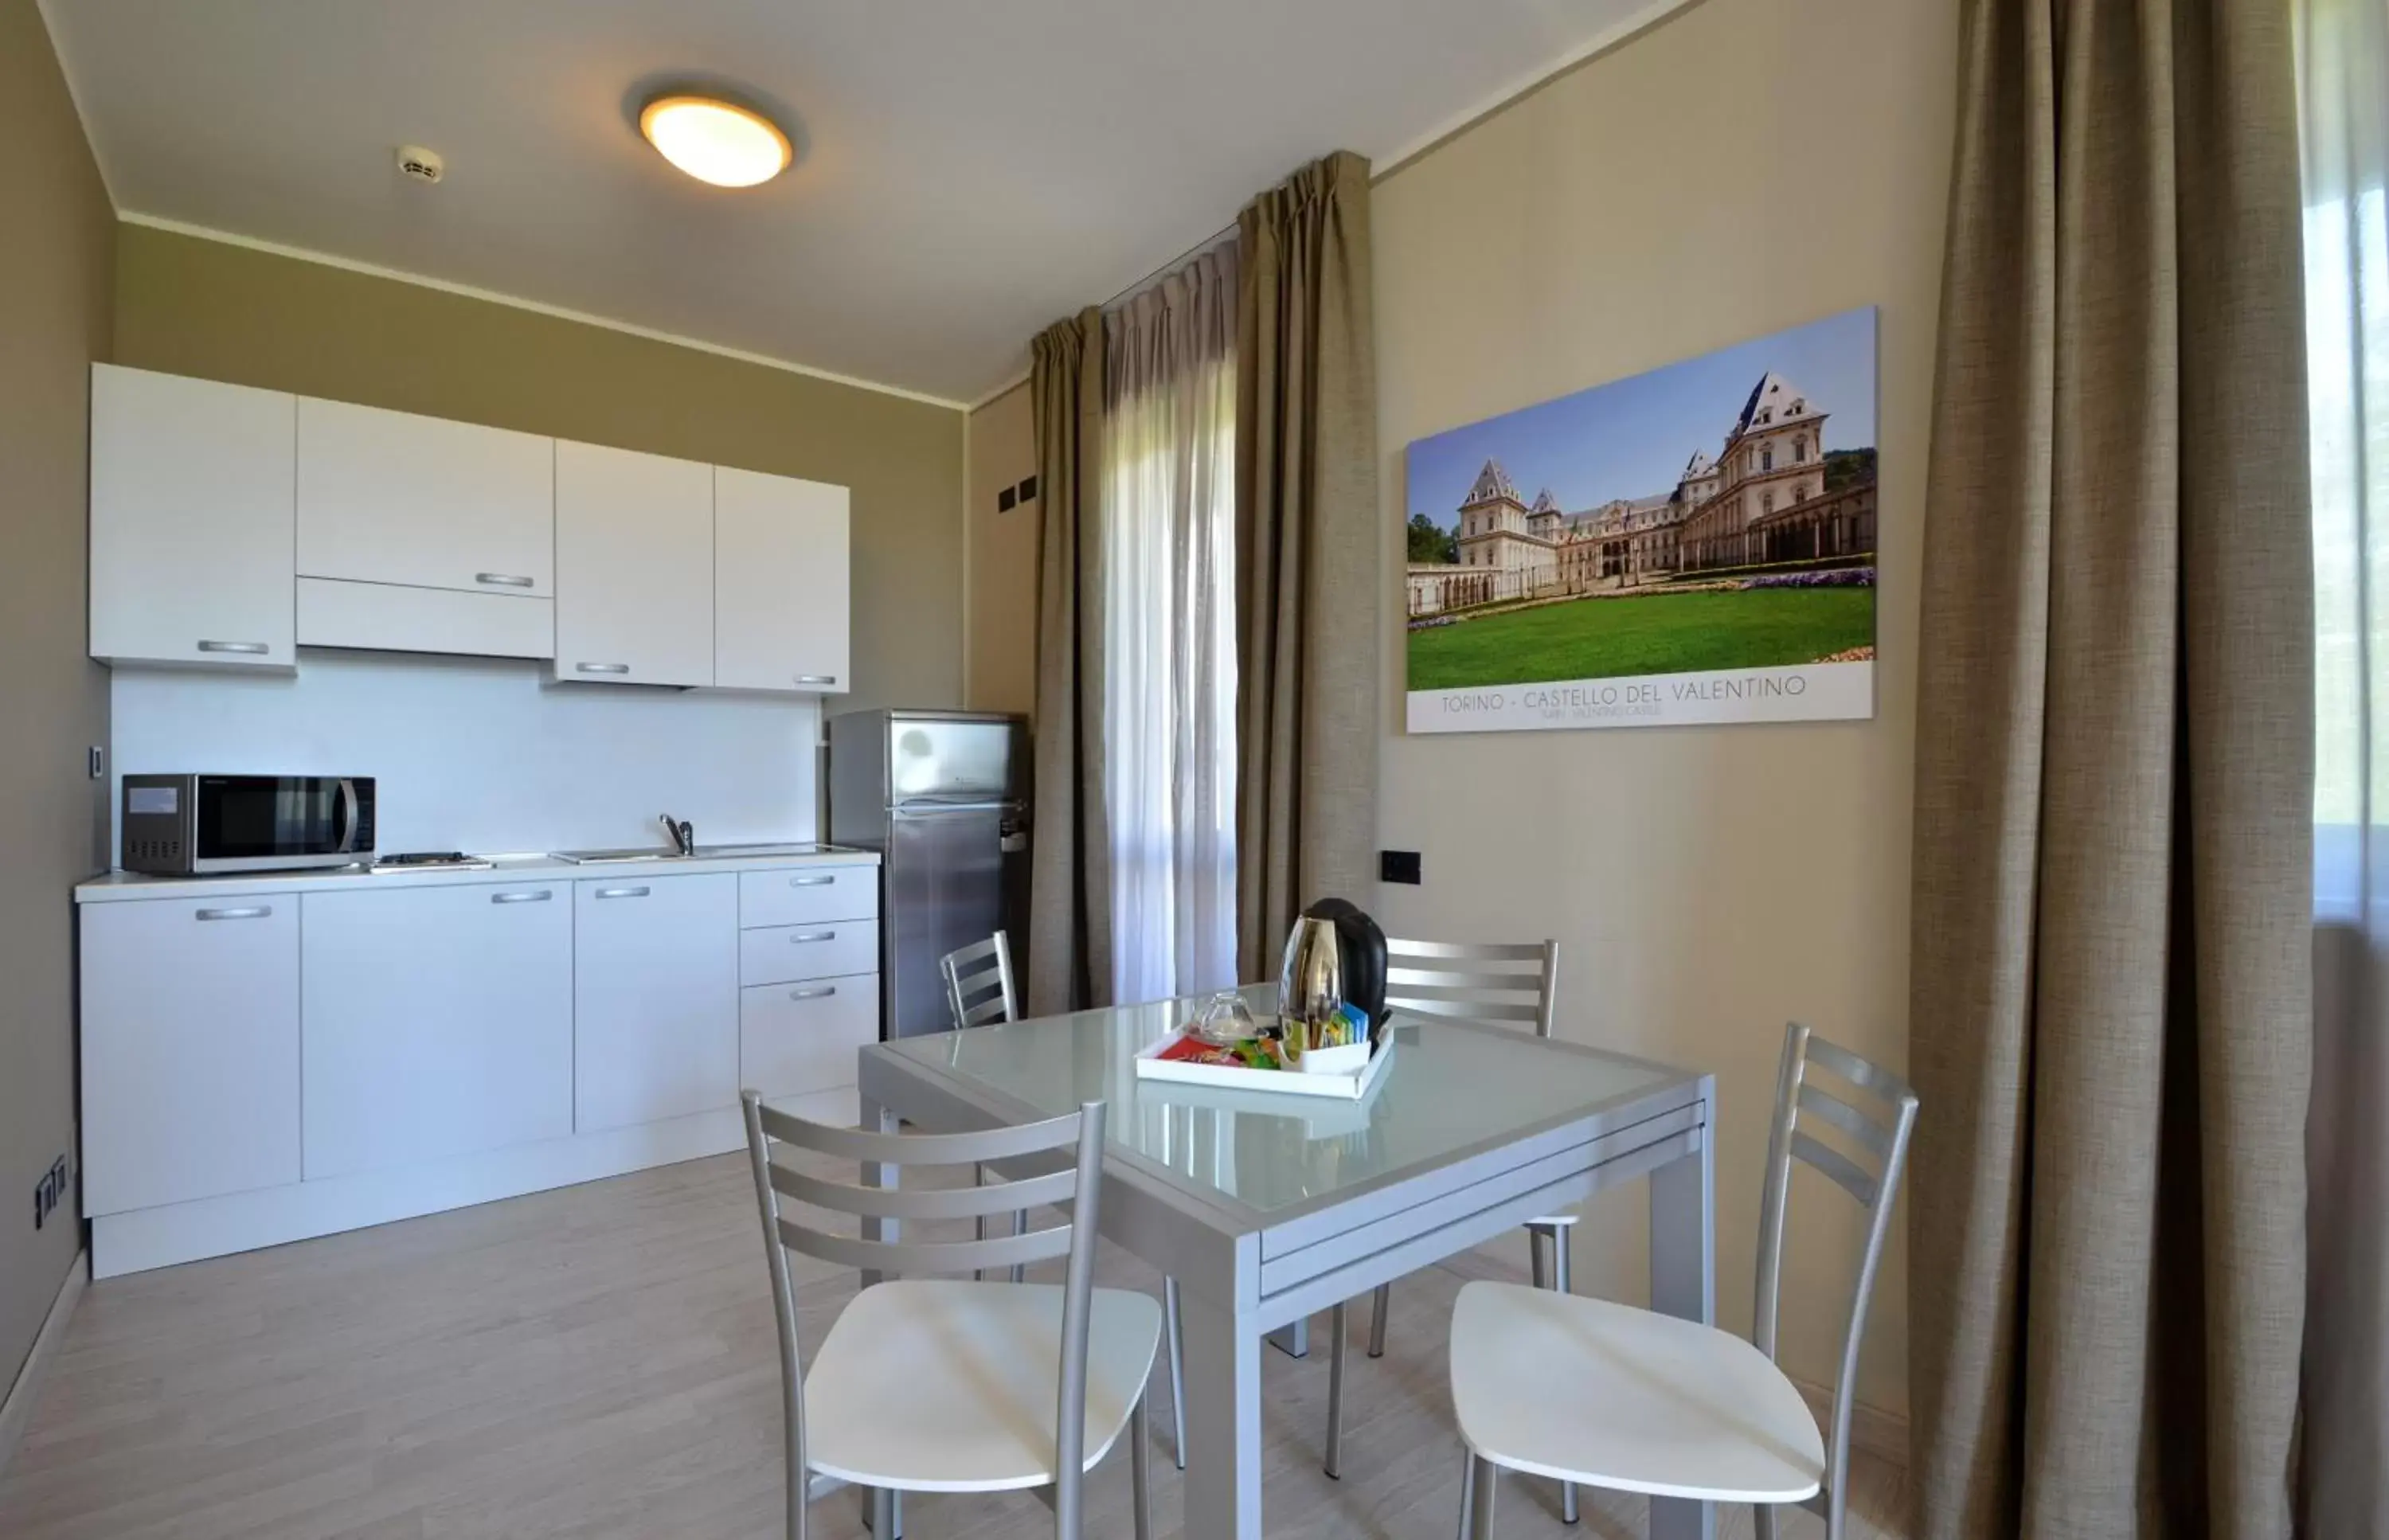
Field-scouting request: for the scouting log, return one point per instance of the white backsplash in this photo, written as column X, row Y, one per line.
column 483, row 754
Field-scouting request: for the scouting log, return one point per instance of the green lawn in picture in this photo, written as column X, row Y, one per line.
column 1663, row 634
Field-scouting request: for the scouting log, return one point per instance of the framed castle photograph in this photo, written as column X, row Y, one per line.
column 1695, row 544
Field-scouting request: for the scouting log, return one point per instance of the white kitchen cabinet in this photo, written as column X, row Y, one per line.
column 785, row 953
column 797, row 1039
column 436, row 1020
column 190, row 1050
column 633, row 567
column 780, row 609
column 191, row 521
column 808, row 893
column 655, row 998
column 389, row 496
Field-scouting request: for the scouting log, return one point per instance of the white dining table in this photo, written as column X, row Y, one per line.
column 1268, row 1208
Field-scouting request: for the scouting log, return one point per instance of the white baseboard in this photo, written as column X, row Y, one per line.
column 143, row 1238
column 17, row 1411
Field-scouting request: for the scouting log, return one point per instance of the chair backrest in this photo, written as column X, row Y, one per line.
column 978, row 983
column 1475, row 981
column 1078, row 1136
column 1871, row 1121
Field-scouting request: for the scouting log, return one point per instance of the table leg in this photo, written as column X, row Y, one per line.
column 1293, row 1340
column 1223, row 1423
column 879, row 1119
column 1683, row 1283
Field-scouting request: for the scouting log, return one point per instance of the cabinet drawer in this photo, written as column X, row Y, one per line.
column 807, row 894
column 797, row 1039
column 825, row 950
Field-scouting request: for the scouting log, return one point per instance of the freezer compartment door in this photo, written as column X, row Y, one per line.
column 946, row 889
column 960, row 760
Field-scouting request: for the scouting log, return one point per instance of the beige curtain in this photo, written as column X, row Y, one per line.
column 2110, row 1002
column 1307, row 562
column 1069, row 958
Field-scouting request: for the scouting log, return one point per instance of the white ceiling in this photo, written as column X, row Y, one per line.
column 969, row 170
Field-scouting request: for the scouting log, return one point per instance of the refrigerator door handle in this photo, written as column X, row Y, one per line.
column 914, row 805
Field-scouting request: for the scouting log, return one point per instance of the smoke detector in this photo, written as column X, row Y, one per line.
column 420, row 164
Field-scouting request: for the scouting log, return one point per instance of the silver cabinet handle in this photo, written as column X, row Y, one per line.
column 603, row 668
column 802, row 936
column 505, row 580
column 622, row 892
column 247, row 912
column 818, row 992
column 255, row 649
column 816, row 679
column 542, row 895
column 810, row 882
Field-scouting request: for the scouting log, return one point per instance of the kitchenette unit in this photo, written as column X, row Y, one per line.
column 375, row 632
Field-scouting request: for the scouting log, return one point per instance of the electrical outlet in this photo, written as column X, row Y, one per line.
column 1398, row 866
column 50, row 1192
column 1005, row 499
column 97, row 761
column 1027, row 490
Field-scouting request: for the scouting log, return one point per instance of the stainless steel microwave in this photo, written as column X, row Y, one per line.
column 192, row 825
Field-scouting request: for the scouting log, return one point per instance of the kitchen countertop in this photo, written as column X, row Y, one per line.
column 115, row 885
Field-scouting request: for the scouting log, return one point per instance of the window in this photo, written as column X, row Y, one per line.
column 1800, row 452
column 1766, row 459
column 1799, row 407
column 1799, row 494
column 1765, row 502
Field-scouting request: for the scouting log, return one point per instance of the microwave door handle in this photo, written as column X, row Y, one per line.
column 346, row 842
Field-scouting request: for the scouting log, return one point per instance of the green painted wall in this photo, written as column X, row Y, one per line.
column 56, row 242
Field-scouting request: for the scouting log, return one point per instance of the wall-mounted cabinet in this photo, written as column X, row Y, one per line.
column 231, row 527
column 633, row 567
column 775, row 626
column 191, row 521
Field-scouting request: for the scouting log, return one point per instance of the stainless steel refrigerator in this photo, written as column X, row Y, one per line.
column 943, row 798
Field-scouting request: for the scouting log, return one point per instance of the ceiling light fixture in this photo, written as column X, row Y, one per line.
column 716, row 142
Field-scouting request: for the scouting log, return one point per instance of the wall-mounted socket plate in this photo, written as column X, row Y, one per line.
column 1398, row 866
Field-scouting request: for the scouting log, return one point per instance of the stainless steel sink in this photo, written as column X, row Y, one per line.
column 604, row 858
column 702, row 853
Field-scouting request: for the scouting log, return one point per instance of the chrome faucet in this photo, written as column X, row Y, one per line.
column 683, row 832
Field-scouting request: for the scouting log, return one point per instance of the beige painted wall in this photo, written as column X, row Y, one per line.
column 999, row 673
column 198, row 307
column 55, row 246
column 1745, row 166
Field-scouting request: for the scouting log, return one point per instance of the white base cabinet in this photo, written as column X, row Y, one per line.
column 436, row 1021
column 795, row 1039
column 302, row 1059
column 190, row 1050
column 655, row 999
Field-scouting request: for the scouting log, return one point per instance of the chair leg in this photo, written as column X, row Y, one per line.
column 1563, row 1282
column 1467, row 1493
column 1334, row 1463
column 1177, row 1368
column 1540, row 1274
column 1020, row 1227
column 1140, row 1454
column 1488, row 1482
column 885, row 1518
column 1381, row 1305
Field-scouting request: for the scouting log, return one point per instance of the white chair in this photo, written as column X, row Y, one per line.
column 981, row 991
column 1588, row 1390
column 1511, row 982
column 943, row 1384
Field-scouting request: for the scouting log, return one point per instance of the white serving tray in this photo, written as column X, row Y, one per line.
column 1329, row 1078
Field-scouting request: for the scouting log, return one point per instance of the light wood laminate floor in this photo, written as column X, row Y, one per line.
column 598, row 1361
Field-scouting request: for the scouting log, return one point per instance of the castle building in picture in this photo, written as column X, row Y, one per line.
column 1762, row 499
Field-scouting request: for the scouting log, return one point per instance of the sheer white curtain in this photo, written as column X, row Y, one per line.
column 1169, row 687
column 2344, row 89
